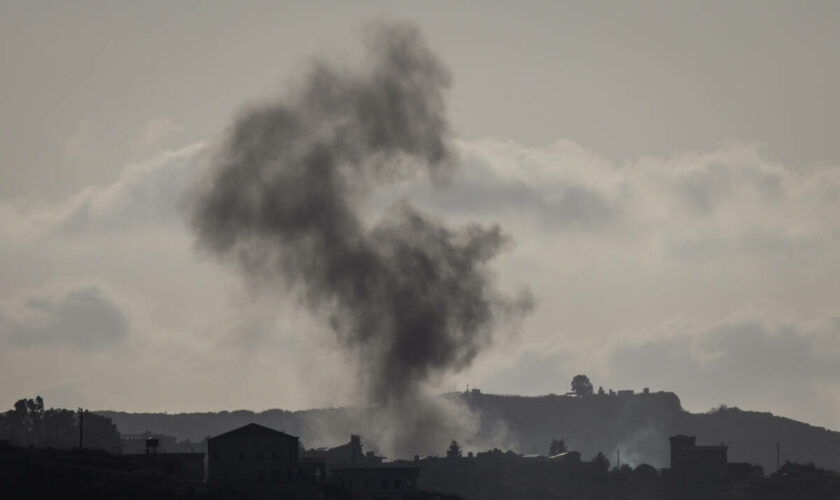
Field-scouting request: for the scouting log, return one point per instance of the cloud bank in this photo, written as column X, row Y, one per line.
column 720, row 259
column 87, row 317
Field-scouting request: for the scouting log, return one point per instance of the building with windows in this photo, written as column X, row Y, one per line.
column 258, row 462
column 349, row 454
column 696, row 471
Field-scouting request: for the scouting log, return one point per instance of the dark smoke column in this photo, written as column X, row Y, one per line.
column 410, row 296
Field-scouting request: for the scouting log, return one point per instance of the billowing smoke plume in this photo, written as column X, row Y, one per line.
column 410, row 297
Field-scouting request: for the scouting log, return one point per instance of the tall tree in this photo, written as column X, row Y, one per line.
column 454, row 450
column 600, row 465
column 581, row 385
column 101, row 433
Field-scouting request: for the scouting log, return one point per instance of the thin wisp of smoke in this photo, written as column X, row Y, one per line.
column 410, row 298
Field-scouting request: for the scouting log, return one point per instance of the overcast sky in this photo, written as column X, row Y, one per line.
column 669, row 175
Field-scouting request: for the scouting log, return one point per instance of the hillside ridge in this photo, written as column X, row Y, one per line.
column 638, row 425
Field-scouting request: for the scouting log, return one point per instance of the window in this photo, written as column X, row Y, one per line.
column 260, row 456
column 396, row 483
column 260, row 476
column 384, row 484
column 275, row 456
column 241, row 455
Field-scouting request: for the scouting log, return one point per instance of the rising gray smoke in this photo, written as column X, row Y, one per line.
column 410, row 297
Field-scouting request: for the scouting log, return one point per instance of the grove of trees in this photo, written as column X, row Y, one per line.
column 29, row 424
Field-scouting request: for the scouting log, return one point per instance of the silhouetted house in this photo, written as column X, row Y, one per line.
column 136, row 443
column 567, row 457
column 188, row 467
column 378, row 482
column 797, row 481
column 645, row 473
column 346, row 455
column 696, row 471
column 686, row 455
column 257, row 462
column 133, row 444
column 499, row 475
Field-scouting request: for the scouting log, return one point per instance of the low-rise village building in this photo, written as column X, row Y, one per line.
column 187, row 467
column 258, row 462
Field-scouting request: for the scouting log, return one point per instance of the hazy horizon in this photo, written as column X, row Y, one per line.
column 668, row 178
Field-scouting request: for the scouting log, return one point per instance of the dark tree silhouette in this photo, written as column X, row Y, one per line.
column 600, row 464
column 454, row 450
column 100, row 433
column 581, row 385
column 22, row 425
column 557, row 446
column 29, row 424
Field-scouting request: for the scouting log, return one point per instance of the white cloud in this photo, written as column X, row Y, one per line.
column 748, row 361
column 146, row 196
column 157, row 132
column 84, row 316
column 612, row 253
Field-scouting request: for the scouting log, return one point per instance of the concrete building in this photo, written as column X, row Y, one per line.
column 498, row 475
column 696, row 471
column 187, row 467
column 258, row 462
column 136, row 443
column 349, row 454
column 685, row 454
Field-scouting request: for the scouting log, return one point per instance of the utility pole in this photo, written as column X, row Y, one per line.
column 81, row 428
column 778, row 465
column 618, row 459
